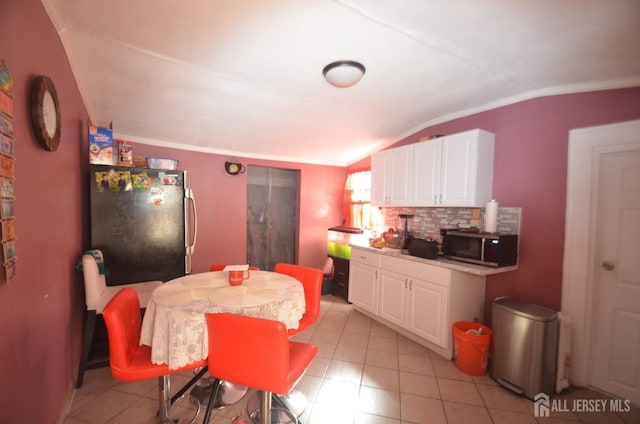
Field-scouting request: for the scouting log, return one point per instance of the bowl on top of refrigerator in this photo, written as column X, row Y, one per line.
column 162, row 163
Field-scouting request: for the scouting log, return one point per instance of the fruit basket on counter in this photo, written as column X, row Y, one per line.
column 391, row 238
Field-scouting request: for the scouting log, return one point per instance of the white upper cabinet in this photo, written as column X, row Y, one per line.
column 392, row 174
column 466, row 169
column 455, row 170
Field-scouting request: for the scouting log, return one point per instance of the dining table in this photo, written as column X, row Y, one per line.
column 174, row 324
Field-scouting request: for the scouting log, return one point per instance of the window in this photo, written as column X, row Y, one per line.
column 357, row 202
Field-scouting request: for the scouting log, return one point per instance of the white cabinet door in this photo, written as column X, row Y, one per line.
column 391, row 177
column 378, row 179
column 455, row 170
column 428, row 311
column 466, row 172
column 426, row 173
column 363, row 286
column 393, row 297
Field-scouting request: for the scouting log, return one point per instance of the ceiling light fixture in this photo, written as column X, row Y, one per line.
column 343, row 73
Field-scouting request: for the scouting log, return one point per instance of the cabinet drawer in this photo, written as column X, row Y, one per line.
column 434, row 274
column 365, row 256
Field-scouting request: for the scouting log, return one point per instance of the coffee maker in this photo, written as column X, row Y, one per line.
column 407, row 235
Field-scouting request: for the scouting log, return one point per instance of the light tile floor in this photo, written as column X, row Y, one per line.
column 363, row 373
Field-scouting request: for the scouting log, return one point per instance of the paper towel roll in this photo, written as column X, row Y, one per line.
column 491, row 217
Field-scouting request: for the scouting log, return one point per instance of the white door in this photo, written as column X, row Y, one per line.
column 616, row 337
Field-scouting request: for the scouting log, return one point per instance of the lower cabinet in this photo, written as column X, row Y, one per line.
column 415, row 305
column 419, row 300
column 363, row 279
column 428, row 309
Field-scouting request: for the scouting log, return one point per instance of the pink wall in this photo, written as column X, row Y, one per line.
column 41, row 312
column 530, row 171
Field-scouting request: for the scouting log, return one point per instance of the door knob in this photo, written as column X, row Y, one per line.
column 608, row 266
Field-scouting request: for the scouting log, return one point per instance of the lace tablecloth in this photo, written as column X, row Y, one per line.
column 174, row 324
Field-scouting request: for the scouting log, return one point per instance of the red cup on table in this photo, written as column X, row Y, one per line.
column 237, row 277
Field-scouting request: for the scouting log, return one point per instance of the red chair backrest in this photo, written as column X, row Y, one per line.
column 311, row 280
column 123, row 322
column 249, row 351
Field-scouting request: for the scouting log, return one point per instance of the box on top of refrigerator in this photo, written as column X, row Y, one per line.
column 100, row 145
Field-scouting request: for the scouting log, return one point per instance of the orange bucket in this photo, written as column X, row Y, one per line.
column 471, row 341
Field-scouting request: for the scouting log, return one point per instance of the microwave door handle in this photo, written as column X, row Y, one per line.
column 482, row 248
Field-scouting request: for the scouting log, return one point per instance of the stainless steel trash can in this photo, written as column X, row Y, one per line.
column 525, row 345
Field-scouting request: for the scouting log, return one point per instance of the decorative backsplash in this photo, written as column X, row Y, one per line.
column 426, row 222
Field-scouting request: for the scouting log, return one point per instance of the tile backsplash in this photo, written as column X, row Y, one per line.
column 426, row 222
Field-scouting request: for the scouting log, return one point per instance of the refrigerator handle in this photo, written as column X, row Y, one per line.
column 191, row 247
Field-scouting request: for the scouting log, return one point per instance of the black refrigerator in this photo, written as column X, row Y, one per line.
column 144, row 222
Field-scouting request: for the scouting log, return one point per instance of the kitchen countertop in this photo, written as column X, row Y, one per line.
column 441, row 262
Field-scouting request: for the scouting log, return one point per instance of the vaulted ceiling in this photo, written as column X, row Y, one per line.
column 244, row 78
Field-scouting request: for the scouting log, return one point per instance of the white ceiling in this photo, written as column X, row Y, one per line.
column 244, row 78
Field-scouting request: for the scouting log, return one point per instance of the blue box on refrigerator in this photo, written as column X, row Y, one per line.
column 100, row 146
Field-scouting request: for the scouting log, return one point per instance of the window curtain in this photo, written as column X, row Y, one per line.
column 358, row 210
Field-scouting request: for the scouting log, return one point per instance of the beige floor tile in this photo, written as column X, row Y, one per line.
column 334, row 393
column 358, row 326
column 348, row 372
column 447, row 369
column 325, row 414
column 415, row 364
column 418, row 384
column 420, row 410
column 381, row 358
column 599, row 417
column 379, row 402
column 509, row 417
column 325, row 349
column 459, row 391
column 497, row 397
column 385, row 344
column 105, row 407
column 380, row 330
column 409, row 347
column 365, row 418
column 484, row 379
column 332, row 324
column 383, row 378
column 325, row 336
column 319, row 366
column 350, row 354
column 354, row 340
column 458, row 413
column 310, row 386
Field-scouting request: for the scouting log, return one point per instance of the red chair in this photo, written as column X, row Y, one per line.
column 256, row 353
column 220, row 267
column 131, row 361
column 311, row 280
column 97, row 294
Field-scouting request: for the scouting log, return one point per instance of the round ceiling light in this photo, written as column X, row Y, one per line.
column 343, row 73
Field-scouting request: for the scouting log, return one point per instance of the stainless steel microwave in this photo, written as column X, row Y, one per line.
column 481, row 248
